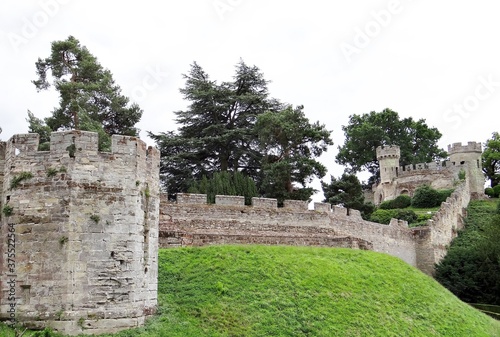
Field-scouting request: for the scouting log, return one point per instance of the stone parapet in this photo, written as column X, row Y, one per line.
column 459, row 148
column 230, row 200
column 265, row 203
column 322, row 207
column 191, row 198
column 298, row 205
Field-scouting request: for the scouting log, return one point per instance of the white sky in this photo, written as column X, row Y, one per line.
column 427, row 59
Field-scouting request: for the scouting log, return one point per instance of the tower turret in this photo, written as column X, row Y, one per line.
column 470, row 156
column 83, row 232
column 388, row 159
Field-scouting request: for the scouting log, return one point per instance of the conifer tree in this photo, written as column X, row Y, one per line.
column 216, row 132
column 290, row 144
column 86, row 91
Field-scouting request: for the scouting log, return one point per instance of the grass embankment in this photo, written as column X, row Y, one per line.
column 302, row 291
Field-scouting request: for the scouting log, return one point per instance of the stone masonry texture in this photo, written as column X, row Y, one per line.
column 86, row 232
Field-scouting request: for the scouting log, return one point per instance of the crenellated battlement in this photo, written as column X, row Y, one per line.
column 459, row 148
column 70, row 144
column 388, row 151
column 260, row 203
column 438, row 166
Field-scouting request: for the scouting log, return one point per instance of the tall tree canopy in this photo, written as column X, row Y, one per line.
column 235, row 126
column 491, row 159
column 85, row 88
column 291, row 145
column 216, row 132
column 364, row 133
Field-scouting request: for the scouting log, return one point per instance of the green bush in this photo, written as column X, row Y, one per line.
column 425, row 197
column 496, row 191
column 443, row 195
column 402, row 201
column 386, row 205
column 422, row 218
column 489, row 192
column 406, row 215
column 383, row 216
column 461, row 175
column 7, row 210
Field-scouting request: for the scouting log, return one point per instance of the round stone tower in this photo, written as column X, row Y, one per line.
column 469, row 158
column 388, row 158
column 79, row 233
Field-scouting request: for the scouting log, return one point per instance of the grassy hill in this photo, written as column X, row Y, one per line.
column 290, row 291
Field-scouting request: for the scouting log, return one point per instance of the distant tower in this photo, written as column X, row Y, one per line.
column 388, row 159
column 470, row 156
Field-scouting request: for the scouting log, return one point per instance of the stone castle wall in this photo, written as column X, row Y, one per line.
column 192, row 222
column 79, row 251
column 434, row 238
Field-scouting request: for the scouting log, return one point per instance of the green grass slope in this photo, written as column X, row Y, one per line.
column 305, row 291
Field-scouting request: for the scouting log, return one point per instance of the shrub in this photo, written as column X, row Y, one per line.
column 386, row 204
column 426, row 196
column 17, row 179
column 443, row 195
column 7, row 210
column 423, row 217
column 496, row 191
column 406, row 215
column 489, row 192
column 383, row 216
column 461, row 175
column 366, row 210
column 402, row 201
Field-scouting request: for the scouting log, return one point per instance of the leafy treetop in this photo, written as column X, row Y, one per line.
column 364, row 133
column 85, row 88
column 491, row 159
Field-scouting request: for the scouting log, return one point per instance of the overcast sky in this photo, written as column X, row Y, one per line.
column 426, row 59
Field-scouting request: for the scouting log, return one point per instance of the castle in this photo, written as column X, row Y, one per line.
column 81, row 228
column 396, row 180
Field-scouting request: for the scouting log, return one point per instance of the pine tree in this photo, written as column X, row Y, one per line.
column 291, row 145
column 86, row 90
column 216, row 132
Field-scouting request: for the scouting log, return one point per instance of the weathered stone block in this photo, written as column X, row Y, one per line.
column 191, row 198
column 322, row 207
column 230, row 200
column 298, row 205
column 268, row 203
